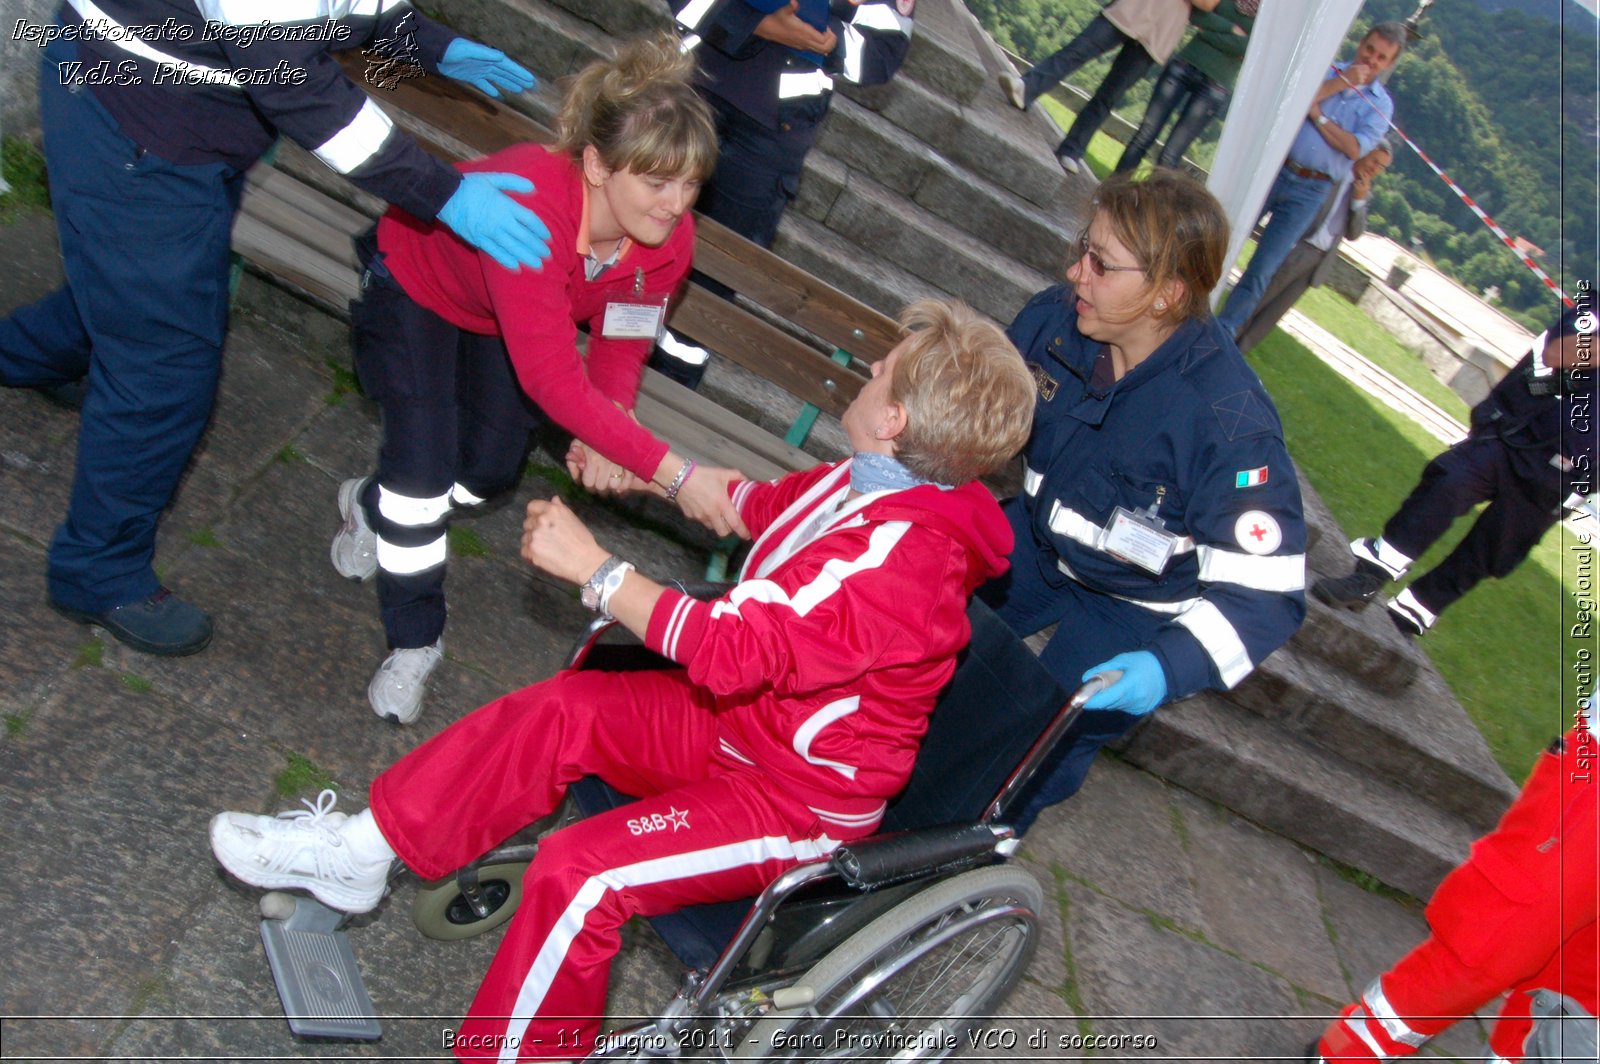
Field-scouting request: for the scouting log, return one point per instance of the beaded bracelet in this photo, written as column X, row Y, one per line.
column 678, row 481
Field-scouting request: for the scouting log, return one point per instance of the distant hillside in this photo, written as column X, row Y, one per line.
column 1498, row 92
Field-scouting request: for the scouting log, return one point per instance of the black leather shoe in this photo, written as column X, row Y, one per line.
column 1353, row 592
column 162, row 624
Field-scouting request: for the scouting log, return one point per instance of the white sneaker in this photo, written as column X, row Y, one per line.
column 1069, row 164
column 355, row 546
column 299, row 849
column 1014, row 90
column 397, row 687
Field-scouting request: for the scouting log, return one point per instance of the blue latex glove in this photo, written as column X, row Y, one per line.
column 1142, row 688
column 483, row 215
column 486, row 69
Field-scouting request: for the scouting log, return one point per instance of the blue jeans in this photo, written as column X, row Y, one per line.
column 1184, row 89
column 145, row 245
column 1097, row 38
column 1293, row 204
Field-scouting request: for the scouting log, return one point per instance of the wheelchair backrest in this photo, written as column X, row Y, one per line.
column 998, row 702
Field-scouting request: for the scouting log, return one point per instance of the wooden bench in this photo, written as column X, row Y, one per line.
column 301, row 237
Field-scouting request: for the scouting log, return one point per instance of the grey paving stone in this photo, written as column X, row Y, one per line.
column 1369, row 931
column 1141, row 978
column 38, row 446
column 1119, row 835
column 1258, row 896
column 105, row 805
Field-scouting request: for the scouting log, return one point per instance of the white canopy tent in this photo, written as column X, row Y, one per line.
column 1291, row 45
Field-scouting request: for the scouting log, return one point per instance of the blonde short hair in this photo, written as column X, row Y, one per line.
column 967, row 394
column 640, row 111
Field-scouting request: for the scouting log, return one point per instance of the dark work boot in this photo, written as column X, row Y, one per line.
column 162, row 624
column 1355, row 591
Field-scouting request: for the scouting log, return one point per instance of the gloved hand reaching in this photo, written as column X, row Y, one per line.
column 483, row 215
column 1141, row 689
column 486, row 69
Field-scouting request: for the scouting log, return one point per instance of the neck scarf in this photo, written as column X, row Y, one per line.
column 871, row 471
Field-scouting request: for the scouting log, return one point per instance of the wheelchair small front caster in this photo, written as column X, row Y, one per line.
column 444, row 910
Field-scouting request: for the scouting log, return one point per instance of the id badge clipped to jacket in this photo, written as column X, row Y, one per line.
column 635, row 317
column 1140, row 538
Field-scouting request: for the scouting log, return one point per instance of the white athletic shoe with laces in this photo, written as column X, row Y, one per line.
column 355, row 545
column 299, row 849
column 397, row 687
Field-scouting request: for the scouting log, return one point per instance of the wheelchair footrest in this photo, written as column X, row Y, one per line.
column 315, row 969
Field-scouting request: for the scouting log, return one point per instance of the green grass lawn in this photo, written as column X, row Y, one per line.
column 1506, row 649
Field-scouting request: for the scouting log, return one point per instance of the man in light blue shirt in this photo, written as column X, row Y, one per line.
column 1348, row 116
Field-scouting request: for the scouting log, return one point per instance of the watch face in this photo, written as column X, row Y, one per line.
column 589, row 595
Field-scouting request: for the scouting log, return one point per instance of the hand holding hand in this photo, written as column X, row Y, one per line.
column 554, row 540
column 785, row 26
column 486, row 69
column 1141, row 689
column 483, row 214
column 598, row 473
column 704, row 497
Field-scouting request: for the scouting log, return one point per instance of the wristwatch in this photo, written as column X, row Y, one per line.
column 597, row 591
column 592, row 594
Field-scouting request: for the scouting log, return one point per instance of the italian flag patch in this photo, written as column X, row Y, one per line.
column 1249, row 478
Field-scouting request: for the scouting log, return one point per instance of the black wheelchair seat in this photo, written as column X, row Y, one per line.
column 996, row 705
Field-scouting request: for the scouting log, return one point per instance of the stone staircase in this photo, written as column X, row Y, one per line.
column 1346, row 740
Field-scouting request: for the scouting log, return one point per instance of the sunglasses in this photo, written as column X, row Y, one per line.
column 1100, row 266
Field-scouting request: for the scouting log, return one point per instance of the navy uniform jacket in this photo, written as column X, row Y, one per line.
column 783, row 89
column 1192, row 430
column 1549, row 434
column 205, row 81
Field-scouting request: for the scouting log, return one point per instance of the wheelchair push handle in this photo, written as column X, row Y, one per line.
column 1094, row 685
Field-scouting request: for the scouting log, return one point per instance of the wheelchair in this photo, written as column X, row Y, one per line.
column 895, row 946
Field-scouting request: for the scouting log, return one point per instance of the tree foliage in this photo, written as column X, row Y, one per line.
column 1503, row 101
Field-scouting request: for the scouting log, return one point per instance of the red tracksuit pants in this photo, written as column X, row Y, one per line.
column 1517, row 916
column 707, row 828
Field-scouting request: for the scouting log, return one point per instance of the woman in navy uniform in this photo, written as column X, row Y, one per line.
column 1160, row 525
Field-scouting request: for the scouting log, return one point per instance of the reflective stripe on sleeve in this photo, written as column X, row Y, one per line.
column 1219, row 640
column 808, row 83
column 855, row 53
column 123, row 38
column 247, row 12
column 411, row 512
column 692, row 14
column 870, row 16
column 404, row 561
column 1281, row 573
column 1031, row 481
column 358, row 141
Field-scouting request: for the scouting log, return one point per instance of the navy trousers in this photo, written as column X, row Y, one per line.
column 1522, row 507
column 453, row 413
column 143, row 315
column 1090, row 628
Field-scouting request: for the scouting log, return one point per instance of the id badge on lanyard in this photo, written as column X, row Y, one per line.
column 1140, row 538
column 635, row 317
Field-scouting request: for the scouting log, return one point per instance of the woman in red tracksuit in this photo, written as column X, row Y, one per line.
column 437, row 320
column 797, row 714
column 1520, row 917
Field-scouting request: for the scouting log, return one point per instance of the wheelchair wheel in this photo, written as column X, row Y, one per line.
column 911, row 984
column 441, row 912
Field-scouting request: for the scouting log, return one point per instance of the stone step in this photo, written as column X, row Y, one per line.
column 1219, row 751
column 823, row 253
column 882, row 228
column 1418, row 738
